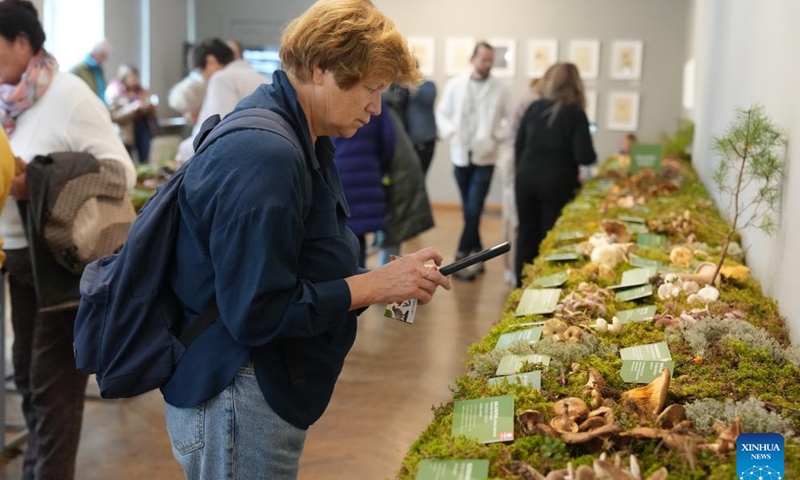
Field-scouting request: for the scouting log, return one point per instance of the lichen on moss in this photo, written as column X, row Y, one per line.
column 755, row 418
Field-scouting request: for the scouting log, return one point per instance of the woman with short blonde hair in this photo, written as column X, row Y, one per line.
column 264, row 235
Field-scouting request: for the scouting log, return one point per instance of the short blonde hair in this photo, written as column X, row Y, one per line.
column 351, row 38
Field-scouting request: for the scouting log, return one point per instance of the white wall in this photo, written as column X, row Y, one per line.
column 746, row 52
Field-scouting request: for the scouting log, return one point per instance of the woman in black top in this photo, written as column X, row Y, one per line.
column 552, row 141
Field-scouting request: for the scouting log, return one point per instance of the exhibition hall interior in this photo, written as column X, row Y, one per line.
column 628, row 164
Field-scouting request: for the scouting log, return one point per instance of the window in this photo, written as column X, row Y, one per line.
column 73, row 27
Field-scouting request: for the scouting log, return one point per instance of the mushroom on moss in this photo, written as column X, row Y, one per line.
column 651, row 398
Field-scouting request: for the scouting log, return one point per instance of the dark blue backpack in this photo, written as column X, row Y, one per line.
column 127, row 330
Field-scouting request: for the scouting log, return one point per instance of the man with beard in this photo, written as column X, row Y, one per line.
column 472, row 116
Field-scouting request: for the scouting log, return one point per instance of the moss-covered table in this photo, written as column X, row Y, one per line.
column 733, row 366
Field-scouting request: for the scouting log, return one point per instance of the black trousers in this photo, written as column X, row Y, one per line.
column 537, row 214
column 44, row 371
column 425, row 151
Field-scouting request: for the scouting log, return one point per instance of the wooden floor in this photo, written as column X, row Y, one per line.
column 392, row 377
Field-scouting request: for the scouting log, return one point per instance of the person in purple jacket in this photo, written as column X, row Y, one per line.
column 362, row 161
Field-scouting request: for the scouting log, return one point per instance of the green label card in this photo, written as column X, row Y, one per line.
column 645, row 156
column 644, row 371
column 488, row 420
column 644, row 262
column 628, row 219
column 637, row 228
column 511, row 364
column 530, row 379
column 637, row 314
column 636, row 277
column 531, row 335
column 538, row 302
column 562, row 257
column 651, row 351
column 634, row 293
column 434, row 469
column 569, row 236
column 651, row 240
column 580, row 206
column 551, row 281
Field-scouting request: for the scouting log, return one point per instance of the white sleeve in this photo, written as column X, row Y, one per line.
column 445, row 111
column 89, row 129
column 221, row 98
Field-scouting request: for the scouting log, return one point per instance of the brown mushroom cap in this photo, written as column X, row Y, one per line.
column 583, row 437
column 671, row 416
column 529, row 420
column 651, row 398
column 605, row 412
column 573, row 334
column 574, row 408
column 562, row 424
column 553, row 327
column 592, row 423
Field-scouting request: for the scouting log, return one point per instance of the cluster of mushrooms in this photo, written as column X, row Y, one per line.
column 593, row 427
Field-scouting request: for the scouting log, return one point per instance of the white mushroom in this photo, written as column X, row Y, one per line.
column 691, row 287
column 709, row 294
column 601, row 325
column 668, row 290
column 616, row 326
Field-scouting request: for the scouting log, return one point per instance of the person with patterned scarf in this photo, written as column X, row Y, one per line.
column 44, row 111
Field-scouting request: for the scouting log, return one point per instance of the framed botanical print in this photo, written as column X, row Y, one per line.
column 423, row 49
column 457, row 55
column 623, row 111
column 626, row 59
column 541, row 55
column 591, row 105
column 585, row 54
column 505, row 57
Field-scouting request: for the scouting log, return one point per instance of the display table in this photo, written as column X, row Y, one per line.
column 619, row 348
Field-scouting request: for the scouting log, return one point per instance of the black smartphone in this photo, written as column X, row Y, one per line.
column 482, row 256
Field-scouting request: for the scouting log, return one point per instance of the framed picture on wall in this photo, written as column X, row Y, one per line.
column 505, row 57
column 424, row 50
column 623, row 111
column 591, row 106
column 626, row 59
column 585, row 54
column 541, row 55
column 457, row 53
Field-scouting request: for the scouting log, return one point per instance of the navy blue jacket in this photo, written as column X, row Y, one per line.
column 361, row 160
column 278, row 277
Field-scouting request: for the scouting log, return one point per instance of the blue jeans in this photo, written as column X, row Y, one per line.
column 235, row 436
column 473, row 183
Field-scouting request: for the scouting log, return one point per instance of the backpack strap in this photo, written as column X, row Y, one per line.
column 213, row 129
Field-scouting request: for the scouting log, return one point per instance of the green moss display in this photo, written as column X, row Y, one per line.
column 750, row 362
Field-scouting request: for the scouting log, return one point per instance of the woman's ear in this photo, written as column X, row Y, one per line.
column 23, row 42
column 318, row 75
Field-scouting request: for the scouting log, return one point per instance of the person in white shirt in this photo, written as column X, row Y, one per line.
column 228, row 81
column 44, row 111
column 472, row 116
